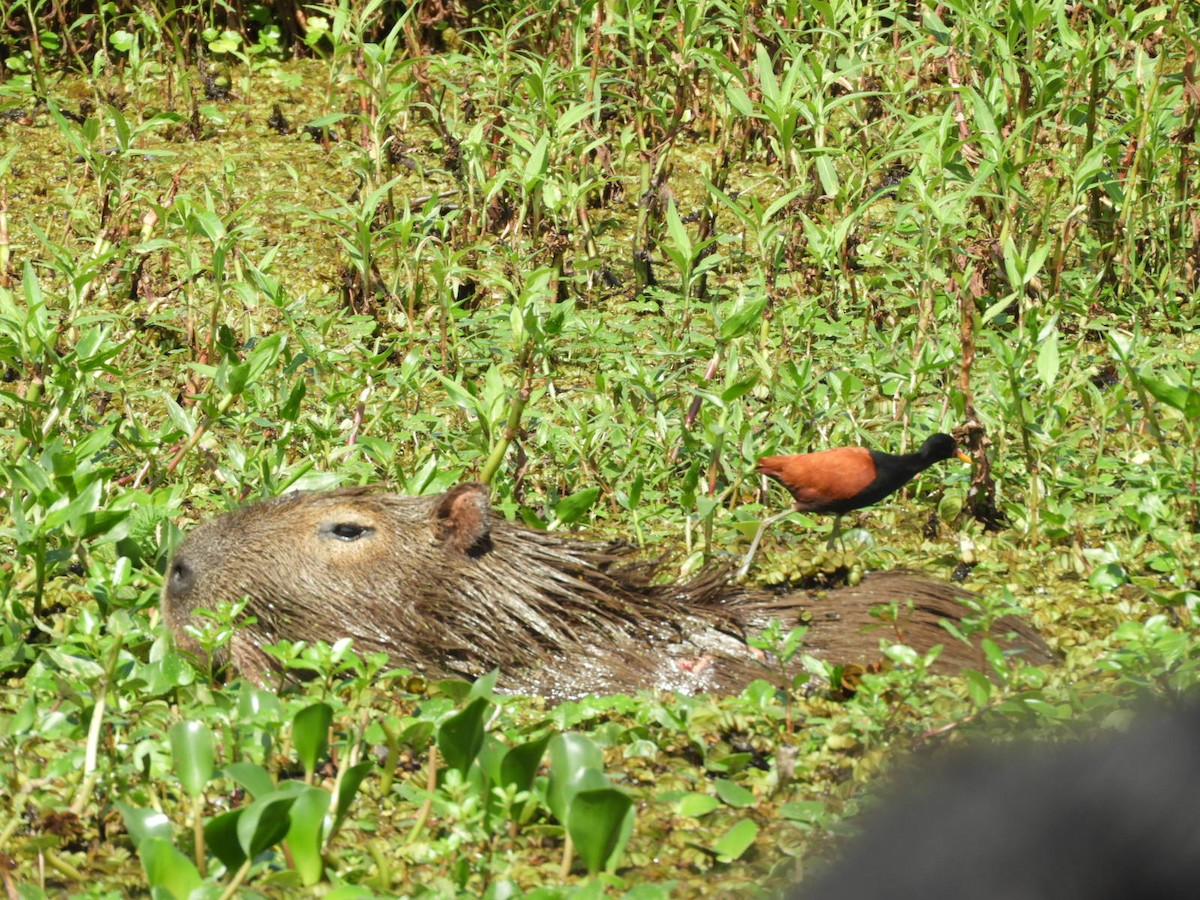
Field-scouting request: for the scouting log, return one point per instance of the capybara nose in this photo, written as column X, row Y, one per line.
column 182, row 576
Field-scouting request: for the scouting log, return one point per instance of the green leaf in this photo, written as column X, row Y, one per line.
column 535, row 166
column 520, row 764
column 732, row 793
column 310, row 734
column 1108, row 577
column 696, row 805
column 1047, row 360
column 167, row 869
column 736, row 841
column 802, row 810
column 460, row 737
column 144, row 824
column 192, row 753
column 570, row 510
column 746, row 317
column 305, row 834
column 254, row 703
column 1184, row 399
column 679, row 234
column 979, row 687
column 347, row 789
column 265, row 822
column 600, row 822
column 572, row 757
column 739, row 389
column 251, row 777
column 221, row 837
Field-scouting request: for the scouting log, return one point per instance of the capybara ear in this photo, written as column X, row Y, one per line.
column 460, row 518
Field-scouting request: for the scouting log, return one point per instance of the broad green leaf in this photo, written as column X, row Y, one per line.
column 1047, row 360
column 144, row 824
column 305, row 834
column 221, row 837
column 310, row 734
column 572, row 756
column 347, row 789
column 520, row 764
column 192, row 752
column 460, row 737
column 679, row 234
column 259, row 705
column 736, row 841
column 265, row 822
column 251, row 777
column 600, row 822
column 167, row 869
column 696, row 805
column 732, row 793
column 802, row 810
column 979, row 687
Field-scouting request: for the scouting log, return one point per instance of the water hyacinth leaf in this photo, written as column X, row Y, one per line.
column 572, row 757
column 484, row 686
column 144, row 824
column 460, row 737
column 306, row 834
column 252, row 778
column 736, row 841
column 310, row 734
column 520, row 764
column 167, row 869
column 491, row 755
column 347, row 789
column 600, row 822
column 192, row 753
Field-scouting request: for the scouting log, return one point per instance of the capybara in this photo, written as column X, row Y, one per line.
column 447, row 586
column 1110, row 819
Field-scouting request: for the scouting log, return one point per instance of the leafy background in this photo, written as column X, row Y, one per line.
column 605, row 255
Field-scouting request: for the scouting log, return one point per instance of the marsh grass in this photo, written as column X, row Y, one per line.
column 603, row 258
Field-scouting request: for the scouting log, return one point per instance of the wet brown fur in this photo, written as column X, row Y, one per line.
column 444, row 585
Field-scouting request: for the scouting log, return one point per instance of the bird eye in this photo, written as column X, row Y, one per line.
column 347, row 531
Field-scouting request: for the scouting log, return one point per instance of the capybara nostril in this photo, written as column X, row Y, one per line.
column 181, row 576
column 445, row 585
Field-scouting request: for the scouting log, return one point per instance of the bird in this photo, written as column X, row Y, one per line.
column 846, row 478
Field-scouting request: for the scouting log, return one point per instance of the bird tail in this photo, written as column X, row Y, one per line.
column 771, row 465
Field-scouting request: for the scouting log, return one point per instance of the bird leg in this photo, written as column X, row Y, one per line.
column 762, row 526
column 835, row 536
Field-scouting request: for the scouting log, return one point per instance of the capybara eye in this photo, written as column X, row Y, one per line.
column 348, row 531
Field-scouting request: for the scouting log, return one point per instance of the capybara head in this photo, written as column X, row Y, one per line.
column 443, row 584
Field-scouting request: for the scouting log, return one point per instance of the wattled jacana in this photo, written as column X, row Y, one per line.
column 847, row 478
